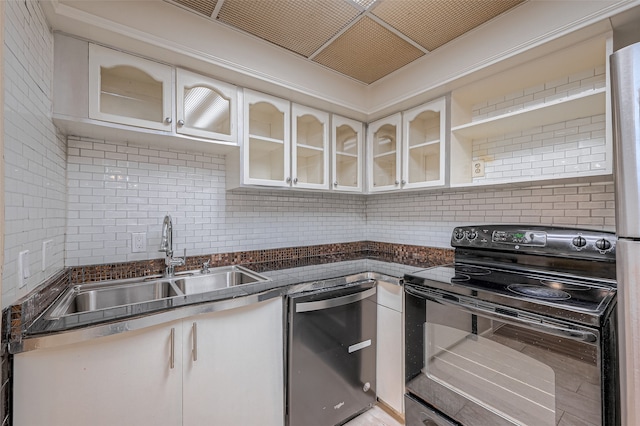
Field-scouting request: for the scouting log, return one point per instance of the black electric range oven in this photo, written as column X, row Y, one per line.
column 520, row 330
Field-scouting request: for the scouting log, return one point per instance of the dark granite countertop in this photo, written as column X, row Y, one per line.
column 301, row 275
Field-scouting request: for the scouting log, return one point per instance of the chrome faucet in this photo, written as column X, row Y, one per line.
column 166, row 245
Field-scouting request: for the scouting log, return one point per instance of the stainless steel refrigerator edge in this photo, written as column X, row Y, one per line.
column 625, row 84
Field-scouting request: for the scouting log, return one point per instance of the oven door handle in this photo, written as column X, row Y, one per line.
column 516, row 317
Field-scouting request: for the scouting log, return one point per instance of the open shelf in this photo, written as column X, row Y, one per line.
column 582, row 105
column 545, row 119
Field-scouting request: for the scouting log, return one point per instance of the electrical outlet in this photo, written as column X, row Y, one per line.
column 23, row 268
column 138, row 242
column 477, row 168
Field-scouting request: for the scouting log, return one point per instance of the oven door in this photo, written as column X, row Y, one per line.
column 484, row 364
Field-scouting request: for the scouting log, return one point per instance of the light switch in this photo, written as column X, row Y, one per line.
column 23, row 268
column 46, row 248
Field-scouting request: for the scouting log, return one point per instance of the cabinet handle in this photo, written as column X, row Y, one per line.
column 172, row 361
column 335, row 183
column 168, row 120
column 397, row 183
column 194, row 331
column 288, row 180
column 180, row 122
column 404, row 182
column 295, row 181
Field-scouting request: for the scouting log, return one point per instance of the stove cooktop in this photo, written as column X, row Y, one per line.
column 572, row 298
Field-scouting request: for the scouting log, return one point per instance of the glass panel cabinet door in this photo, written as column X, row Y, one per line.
column 205, row 107
column 347, row 154
column 128, row 90
column 424, row 146
column 310, row 148
column 384, row 167
column 267, row 143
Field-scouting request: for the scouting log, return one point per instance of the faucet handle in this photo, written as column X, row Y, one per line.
column 205, row 267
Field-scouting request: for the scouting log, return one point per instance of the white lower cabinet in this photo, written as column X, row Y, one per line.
column 162, row 375
column 233, row 367
column 124, row 379
column 390, row 352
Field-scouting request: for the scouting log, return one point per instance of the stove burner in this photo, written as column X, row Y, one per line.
column 457, row 278
column 561, row 285
column 545, row 293
column 472, row 270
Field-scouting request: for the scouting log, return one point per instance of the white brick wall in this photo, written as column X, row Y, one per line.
column 574, row 146
column 567, row 147
column 116, row 189
column 429, row 218
column 574, row 84
column 35, row 187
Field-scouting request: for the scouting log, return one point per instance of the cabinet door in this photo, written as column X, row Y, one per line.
column 309, row 148
column 125, row 379
column 347, row 154
column 233, row 367
column 384, row 165
column 129, row 90
column 423, row 146
column 205, row 107
column 267, row 143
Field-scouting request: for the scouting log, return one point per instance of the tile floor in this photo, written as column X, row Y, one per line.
column 374, row 417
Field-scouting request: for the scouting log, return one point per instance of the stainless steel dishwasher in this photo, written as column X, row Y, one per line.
column 332, row 354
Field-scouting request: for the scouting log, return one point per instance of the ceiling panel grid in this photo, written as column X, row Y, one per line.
column 365, row 40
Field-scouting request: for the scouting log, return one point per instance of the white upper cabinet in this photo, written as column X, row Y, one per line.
column 284, row 145
column 205, row 107
column 544, row 119
column 266, row 151
column 310, row 148
column 129, row 90
column 423, row 157
column 108, row 94
column 347, row 154
column 408, row 150
column 384, row 142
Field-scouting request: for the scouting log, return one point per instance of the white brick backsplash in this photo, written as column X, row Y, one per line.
column 214, row 220
column 35, row 204
column 549, row 91
column 565, row 147
column 135, row 196
column 415, row 222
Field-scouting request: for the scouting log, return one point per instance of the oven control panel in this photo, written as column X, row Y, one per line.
column 551, row 240
column 528, row 238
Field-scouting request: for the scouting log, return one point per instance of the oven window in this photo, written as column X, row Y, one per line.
column 505, row 373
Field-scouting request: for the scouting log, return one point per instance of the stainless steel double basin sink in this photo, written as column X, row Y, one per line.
column 111, row 294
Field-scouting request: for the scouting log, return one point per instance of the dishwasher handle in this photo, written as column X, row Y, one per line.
column 333, row 302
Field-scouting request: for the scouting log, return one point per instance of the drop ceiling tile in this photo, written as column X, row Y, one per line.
column 301, row 26
column 367, row 52
column 205, row 7
column 432, row 23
